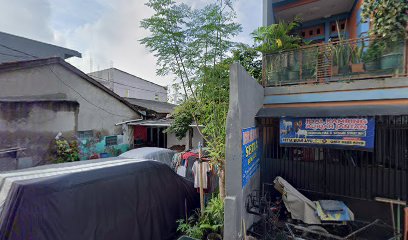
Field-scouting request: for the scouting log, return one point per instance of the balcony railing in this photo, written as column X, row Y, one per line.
column 346, row 60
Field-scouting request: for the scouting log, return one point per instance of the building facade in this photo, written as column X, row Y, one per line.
column 129, row 86
column 306, row 93
column 321, row 21
column 99, row 108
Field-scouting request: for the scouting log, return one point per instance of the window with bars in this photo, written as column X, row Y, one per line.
column 85, row 134
column 342, row 172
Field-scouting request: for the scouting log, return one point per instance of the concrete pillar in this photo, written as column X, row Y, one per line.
column 267, row 13
column 246, row 98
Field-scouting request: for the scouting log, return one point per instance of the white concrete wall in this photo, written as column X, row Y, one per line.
column 246, row 98
column 127, row 85
column 196, row 138
column 97, row 109
column 172, row 140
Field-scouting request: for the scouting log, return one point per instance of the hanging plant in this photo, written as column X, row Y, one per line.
column 388, row 18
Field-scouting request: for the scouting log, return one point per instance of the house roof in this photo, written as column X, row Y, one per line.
column 12, row 66
column 15, row 48
column 93, row 74
column 156, row 106
column 165, row 122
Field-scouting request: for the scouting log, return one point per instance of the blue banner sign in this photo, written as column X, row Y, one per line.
column 354, row 133
column 250, row 154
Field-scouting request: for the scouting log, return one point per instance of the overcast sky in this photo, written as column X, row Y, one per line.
column 106, row 31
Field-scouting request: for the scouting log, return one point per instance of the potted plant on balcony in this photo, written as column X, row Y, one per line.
column 274, row 42
column 341, row 58
column 357, row 66
column 341, row 51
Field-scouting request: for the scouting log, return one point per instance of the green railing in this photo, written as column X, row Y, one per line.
column 354, row 59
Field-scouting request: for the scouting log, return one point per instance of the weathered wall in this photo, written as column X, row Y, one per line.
column 98, row 110
column 127, row 85
column 33, row 125
column 172, row 140
column 246, row 98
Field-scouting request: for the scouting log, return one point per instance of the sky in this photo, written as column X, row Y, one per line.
column 106, row 32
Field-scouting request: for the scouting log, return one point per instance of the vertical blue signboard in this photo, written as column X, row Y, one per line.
column 349, row 132
column 250, row 154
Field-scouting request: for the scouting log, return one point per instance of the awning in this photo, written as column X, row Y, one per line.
column 332, row 111
column 157, row 123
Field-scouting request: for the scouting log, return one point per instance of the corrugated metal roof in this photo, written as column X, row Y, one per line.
column 156, row 106
column 15, row 48
column 165, row 122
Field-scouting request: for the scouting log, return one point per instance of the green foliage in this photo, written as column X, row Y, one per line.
column 182, row 119
column 277, row 37
column 341, row 49
column 194, row 46
column 250, row 59
column 212, row 220
column 374, row 52
column 67, row 151
column 388, row 18
column 357, row 53
column 186, row 41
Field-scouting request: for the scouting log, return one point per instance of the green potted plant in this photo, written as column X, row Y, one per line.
column 274, row 42
column 341, row 58
column 341, row 51
column 357, row 65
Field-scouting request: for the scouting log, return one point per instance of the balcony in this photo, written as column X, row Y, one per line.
column 346, row 60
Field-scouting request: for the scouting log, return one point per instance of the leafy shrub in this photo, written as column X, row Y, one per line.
column 212, row 220
column 67, row 151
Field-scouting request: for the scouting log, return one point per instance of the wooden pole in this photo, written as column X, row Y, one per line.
column 201, row 180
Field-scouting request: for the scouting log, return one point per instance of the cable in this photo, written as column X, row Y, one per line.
column 19, row 51
column 56, row 75
column 91, row 75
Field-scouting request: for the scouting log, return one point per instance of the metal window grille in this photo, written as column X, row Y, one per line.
column 85, row 134
column 340, row 172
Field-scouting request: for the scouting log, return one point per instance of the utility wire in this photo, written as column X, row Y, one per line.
column 56, row 75
column 15, row 50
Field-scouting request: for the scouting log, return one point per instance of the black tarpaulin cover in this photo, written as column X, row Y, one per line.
column 137, row 200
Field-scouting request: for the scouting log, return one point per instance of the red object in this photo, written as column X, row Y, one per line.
column 140, row 133
column 189, row 154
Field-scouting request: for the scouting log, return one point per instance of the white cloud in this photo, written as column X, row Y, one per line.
column 28, row 18
column 106, row 32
